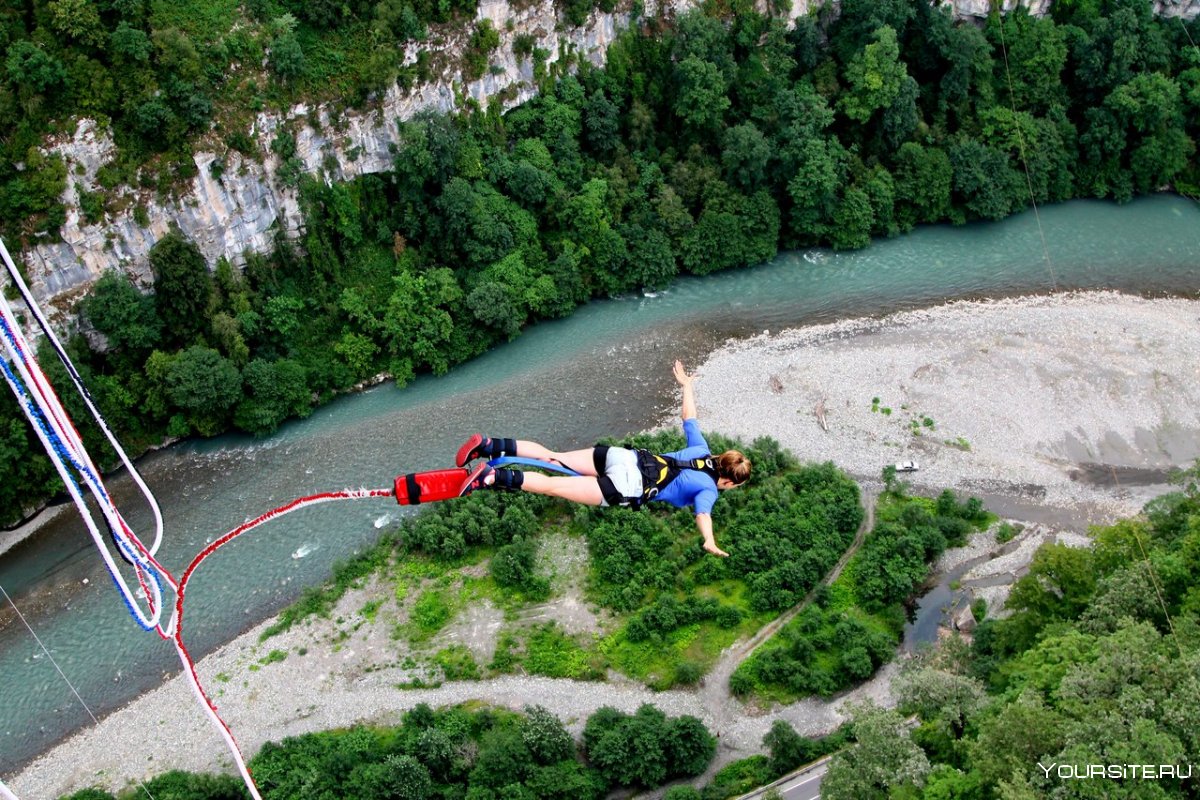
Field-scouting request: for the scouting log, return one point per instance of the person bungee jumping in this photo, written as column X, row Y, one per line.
column 618, row 476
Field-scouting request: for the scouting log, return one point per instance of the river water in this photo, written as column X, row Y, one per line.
column 606, row 370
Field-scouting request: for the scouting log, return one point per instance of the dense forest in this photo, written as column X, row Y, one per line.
column 709, row 141
column 483, row 754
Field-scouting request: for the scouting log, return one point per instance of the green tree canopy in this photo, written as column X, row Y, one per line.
column 182, row 287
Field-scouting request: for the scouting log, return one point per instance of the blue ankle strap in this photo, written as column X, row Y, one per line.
column 505, row 461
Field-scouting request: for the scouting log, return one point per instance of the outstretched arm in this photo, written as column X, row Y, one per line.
column 689, row 394
column 704, row 523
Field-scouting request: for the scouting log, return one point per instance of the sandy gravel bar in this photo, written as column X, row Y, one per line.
column 1022, row 394
column 1035, row 387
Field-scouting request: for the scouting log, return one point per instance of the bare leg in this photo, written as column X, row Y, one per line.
column 576, row 489
column 578, row 460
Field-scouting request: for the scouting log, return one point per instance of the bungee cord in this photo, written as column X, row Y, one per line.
column 64, row 445
column 70, row 460
column 81, row 387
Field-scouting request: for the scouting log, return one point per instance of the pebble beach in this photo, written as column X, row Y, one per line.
column 1072, row 404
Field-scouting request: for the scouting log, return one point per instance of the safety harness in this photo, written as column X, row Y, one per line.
column 659, row 470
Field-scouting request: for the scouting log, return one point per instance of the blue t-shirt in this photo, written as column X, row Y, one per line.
column 692, row 487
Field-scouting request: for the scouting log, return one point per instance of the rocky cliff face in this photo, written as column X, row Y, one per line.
column 242, row 210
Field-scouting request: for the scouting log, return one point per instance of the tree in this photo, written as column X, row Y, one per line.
column 404, row 778
column 205, row 385
column 701, row 99
column 417, row 324
column 588, row 218
column 787, row 748
column 820, row 170
column 125, row 316
column 130, row 44
column 1036, row 52
column 177, row 54
column 287, row 56
column 689, row 746
column 545, row 736
column 883, row 757
column 936, row 694
column 1150, row 109
column 984, row 180
column 182, row 287
column 275, row 391
column 745, row 153
column 503, row 759
column 1059, row 585
column 32, row 68
column 628, row 750
column 853, row 221
column 566, row 780
column 859, row 22
column 682, row 793
column 514, row 565
column 179, row 785
column 944, row 782
column 1022, row 733
column 77, row 19
column 89, row 794
column 875, row 77
column 601, row 123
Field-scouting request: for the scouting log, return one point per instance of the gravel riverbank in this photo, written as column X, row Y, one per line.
column 1037, row 399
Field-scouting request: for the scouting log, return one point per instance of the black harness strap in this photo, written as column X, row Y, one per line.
column 414, row 489
column 659, row 470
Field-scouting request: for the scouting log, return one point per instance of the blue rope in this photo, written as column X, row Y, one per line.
column 505, row 461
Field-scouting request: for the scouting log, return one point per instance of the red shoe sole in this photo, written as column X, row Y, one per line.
column 465, row 452
column 468, row 485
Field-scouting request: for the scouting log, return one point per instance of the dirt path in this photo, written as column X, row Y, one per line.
column 715, row 686
column 718, row 701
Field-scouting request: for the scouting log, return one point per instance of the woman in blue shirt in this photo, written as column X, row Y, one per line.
column 611, row 476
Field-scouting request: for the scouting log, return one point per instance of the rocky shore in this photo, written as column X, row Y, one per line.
column 1071, row 407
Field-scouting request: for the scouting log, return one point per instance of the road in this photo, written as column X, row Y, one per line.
column 802, row 785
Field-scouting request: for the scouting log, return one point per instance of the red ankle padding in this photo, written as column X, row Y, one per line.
column 414, row 488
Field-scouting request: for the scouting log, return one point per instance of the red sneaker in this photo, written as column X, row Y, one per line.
column 471, row 449
column 478, row 479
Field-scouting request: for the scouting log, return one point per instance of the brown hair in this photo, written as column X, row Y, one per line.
column 733, row 465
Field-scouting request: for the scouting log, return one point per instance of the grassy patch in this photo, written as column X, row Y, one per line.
column 739, row 777
column 678, row 657
column 551, row 652
column 430, row 613
column 203, row 20
column 457, row 663
column 1007, row 531
column 371, row 609
column 273, row 657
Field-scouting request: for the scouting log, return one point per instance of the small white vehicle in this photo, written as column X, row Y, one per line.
column 907, row 466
